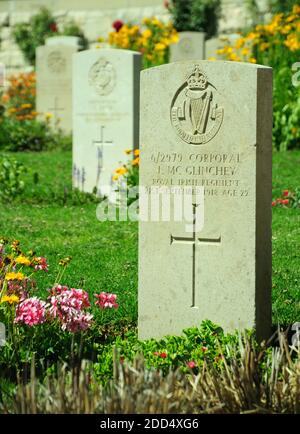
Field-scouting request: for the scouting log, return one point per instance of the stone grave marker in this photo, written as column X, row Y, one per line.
column 105, row 115
column 206, row 126
column 191, row 45
column 54, row 84
column 70, row 41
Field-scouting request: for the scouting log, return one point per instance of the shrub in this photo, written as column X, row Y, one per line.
column 152, row 39
column 41, row 26
column 11, row 182
column 276, row 44
column 30, row 135
column 19, row 98
column 195, row 15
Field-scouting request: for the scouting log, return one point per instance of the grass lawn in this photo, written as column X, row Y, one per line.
column 105, row 253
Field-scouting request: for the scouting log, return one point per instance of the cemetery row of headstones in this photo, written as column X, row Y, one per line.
column 205, row 131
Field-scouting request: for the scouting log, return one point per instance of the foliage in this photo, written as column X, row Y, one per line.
column 152, row 39
column 195, row 15
column 11, row 183
column 276, row 44
column 20, row 128
column 288, row 199
column 128, row 173
column 19, row 98
column 41, row 26
column 253, row 380
column 28, row 317
column 277, row 6
column 30, row 135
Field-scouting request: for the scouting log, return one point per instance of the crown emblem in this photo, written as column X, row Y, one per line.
column 197, row 80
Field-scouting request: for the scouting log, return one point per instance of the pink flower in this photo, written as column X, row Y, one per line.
column 106, row 300
column 117, row 25
column 67, row 305
column 191, row 364
column 31, row 311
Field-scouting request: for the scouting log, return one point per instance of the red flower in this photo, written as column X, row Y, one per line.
column 162, row 355
column 191, row 364
column 274, row 203
column 117, row 25
column 285, row 202
column 53, row 27
column 285, row 193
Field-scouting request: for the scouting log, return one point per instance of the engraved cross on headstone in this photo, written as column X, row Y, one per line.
column 194, row 240
column 100, row 143
column 55, row 110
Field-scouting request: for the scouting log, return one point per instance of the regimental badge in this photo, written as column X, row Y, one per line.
column 56, row 62
column 195, row 114
column 102, row 77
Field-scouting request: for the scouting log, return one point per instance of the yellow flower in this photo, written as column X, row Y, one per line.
column 245, row 51
column 115, row 177
column 296, row 9
column 212, row 59
column 24, row 106
column 14, row 276
column 10, row 299
column 136, row 161
column 128, row 151
column 136, row 152
column 22, row 260
column 239, row 43
column 147, row 34
column 159, row 46
column 264, row 46
column 252, row 60
column 48, row 115
column 121, row 170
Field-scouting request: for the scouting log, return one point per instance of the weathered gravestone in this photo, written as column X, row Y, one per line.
column 206, row 124
column 191, row 45
column 54, row 84
column 105, row 115
column 70, row 41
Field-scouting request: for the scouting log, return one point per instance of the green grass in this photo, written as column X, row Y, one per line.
column 105, row 253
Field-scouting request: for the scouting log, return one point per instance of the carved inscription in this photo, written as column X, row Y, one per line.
column 217, row 173
column 193, row 241
column 102, row 77
column 195, row 114
column 56, row 62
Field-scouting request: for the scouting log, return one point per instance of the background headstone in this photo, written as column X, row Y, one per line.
column 214, row 44
column 191, row 45
column 105, row 115
column 71, row 41
column 54, row 84
column 207, row 124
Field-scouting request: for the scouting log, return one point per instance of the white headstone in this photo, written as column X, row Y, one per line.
column 206, row 125
column 70, row 41
column 54, row 84
column 191, row 45
column 105, row 115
